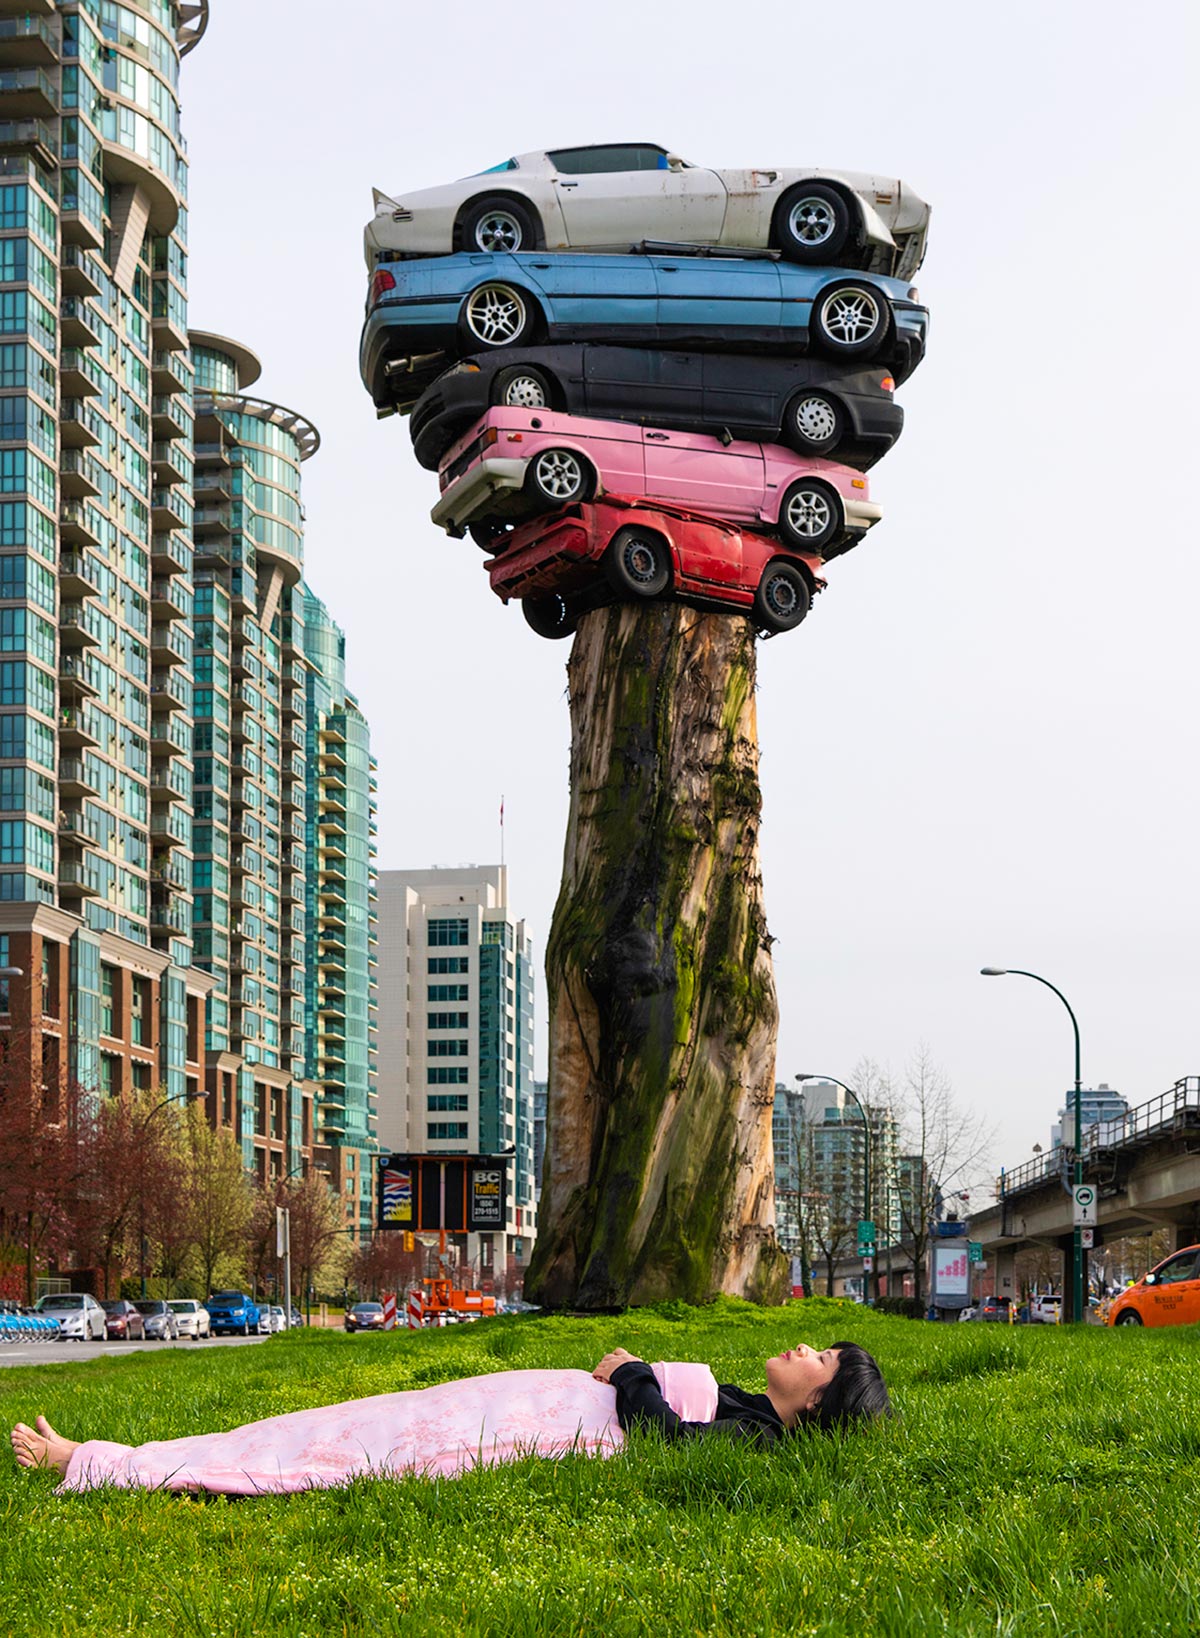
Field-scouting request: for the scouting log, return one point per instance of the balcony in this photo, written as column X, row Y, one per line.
column 26, row 91
column 169, row 372
column 27, row 40
column 75, row 728
column 75, row 525
column 77, row 879
column 73, row 629
column 213, row 487
column 168, row 912
column 79, row 425
column 74, row 681
column 168, row 418
column 170, row 465
column 74, row 779
column 78, row 323
column 79, row 375
column 167, row 644
column 73, row 826
column 212, row 521
column 77, row 578
column 79, row 228
column 169, row 693
column 30, row 136
column 167, row 510
column 79, row 272
column 167, row 599
column 80, row 474
column 171, row 870
column 170, row 335
column 170, row 737
column 169, row 552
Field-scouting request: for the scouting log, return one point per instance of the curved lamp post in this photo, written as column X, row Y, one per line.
column 851, row 1093
column 175, row 1097
column 1077, row 1248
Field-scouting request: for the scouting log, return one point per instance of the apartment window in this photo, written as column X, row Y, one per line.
column 447, row 1049
column 448, row 930
column 108, row 986
column 141, row 1076
column 139, row 1013
column 446, row 1102
column 443, row 1130
column 107, row 1077
column 449, row 964
column 447, row 1020
column 447, row 1075
column 448, row 992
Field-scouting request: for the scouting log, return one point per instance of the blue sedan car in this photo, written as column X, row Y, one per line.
column 425, row 313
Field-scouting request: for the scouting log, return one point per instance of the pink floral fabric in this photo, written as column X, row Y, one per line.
column 439, row 1431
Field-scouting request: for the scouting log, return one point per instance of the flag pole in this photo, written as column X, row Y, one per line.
column 502, row 832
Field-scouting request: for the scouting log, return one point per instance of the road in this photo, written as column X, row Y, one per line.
column 59, row 1353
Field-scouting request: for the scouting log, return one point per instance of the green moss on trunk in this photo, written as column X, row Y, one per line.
column 658, row 1168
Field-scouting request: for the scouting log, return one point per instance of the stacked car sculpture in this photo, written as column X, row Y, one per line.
column 637, row 378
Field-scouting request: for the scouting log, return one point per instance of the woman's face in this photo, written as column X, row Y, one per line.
column 797, row 1377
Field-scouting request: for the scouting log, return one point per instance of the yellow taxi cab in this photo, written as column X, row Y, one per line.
column 1168, row 1295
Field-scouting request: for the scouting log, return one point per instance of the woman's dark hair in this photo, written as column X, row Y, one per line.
column 857, row 1391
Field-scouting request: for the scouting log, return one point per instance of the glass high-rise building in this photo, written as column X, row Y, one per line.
column 155, row 793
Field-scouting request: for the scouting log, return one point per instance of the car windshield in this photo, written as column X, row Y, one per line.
column 368, row 1308
column 61, row 1305
column 227, row 1296
column 149, row 1307
column 112, row 1307
column 180, row 1307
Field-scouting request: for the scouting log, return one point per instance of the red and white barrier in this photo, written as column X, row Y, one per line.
column 414, row 1311
column 389, row 1310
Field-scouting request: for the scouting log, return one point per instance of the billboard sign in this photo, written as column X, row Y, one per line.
column 435, row 1194
column 487, row 1197
column 951, row 1274
column 396, row 1194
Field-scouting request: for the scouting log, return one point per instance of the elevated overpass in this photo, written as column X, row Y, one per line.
column 1146, row 1170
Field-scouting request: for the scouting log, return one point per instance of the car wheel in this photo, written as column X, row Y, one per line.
column 1128, row 1317
column 521, row 387
column 548, row 616
column 246, row 1329
column 850, row 320
column 487, row 536
column 813, row 423
column 812, row 223
column 559, row 477
column 782, row 599
column 810, row 515
column 637, row 564
column 496, row 315
column 498, row 226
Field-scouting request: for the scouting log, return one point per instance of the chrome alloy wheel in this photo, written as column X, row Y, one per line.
column 558, row 474
column 809, row 514
column 812, row 221
column 498, row 230
column 851, row 315
column 525, row 392
column 815, row 420
column 496, row 314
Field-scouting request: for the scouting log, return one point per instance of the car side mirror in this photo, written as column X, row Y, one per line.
column 674, row 163
column 1149, row 1279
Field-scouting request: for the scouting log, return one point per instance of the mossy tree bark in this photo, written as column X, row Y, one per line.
column 658, row 1179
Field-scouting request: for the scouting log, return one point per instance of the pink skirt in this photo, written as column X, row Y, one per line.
column 440, row 1432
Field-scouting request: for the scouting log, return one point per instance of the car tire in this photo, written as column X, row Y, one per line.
column 246, row 1329
column 637, row 564
column 810, row 515
column 548, row 616
column 521, row 387
column 813, row 423
column 559, row 477
column 1128, row 1317
column 497, row 226
column 782, row 599
column 812, row 223
column 496, row 315
column 488, row 536
column 851, row 320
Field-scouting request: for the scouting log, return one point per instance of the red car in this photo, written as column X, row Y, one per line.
column 621, row 549
column 123, row 1322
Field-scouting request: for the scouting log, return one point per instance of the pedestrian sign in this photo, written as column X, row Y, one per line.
column 866, row 1233
column 1085, row 1205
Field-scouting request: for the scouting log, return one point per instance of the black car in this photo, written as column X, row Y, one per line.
column 365, row 1316
column 818, row 408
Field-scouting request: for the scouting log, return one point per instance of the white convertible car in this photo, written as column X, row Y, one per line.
column 618, row 195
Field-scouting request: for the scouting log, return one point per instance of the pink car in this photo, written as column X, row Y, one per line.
column 514, row 463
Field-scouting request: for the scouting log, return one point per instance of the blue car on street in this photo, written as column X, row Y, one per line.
column 425, row 313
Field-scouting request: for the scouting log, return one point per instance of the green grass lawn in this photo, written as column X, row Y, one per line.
column 1037, row 1480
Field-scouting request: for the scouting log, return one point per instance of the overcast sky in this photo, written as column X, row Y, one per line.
column 980, row 748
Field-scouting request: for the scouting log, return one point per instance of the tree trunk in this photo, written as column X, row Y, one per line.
column 658, row 1179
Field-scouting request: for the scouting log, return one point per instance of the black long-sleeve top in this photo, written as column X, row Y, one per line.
column 740, row 1415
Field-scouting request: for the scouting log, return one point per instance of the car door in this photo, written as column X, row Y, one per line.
column 643, row 384
column 692, row 469
column 742, row 390
column 1174, row 1298
column 619, row 194
column 589, row 295
column 713, row 298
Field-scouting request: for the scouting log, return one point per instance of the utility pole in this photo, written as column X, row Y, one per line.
column 283, row 1248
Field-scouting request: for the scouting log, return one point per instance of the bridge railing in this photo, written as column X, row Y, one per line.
column 1160, row 1114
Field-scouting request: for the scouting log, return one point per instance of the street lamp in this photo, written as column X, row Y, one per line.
column 1077, row 1247
column 849, row 1090
column 173, row 1097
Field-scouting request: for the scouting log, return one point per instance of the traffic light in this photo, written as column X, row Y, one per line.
column 410, row 1243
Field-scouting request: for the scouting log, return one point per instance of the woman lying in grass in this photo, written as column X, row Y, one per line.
column 443, row 1430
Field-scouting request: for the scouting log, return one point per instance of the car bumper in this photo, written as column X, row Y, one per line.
column 445, row 411
column 912, row 328
column 470, row 496
column 413, row 339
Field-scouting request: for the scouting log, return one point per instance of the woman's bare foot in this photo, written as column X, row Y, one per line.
column 43, row 1447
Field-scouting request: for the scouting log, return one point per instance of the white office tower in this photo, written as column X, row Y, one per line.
column 456, row 1037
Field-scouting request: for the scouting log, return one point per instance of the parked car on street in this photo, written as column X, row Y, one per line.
column 621, row 549
column 514, row 463
column 275, row 1319
column 813, row 406
column 616, row 194
column 122, row 1322
column 78, row 1313
column 992, row 1309
column 191, row 1317
column 1046, row 1309
column 365, row 1316
column 424, row 315
column 1169, row 1294
column 232, row 1312
column 161, row 1324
